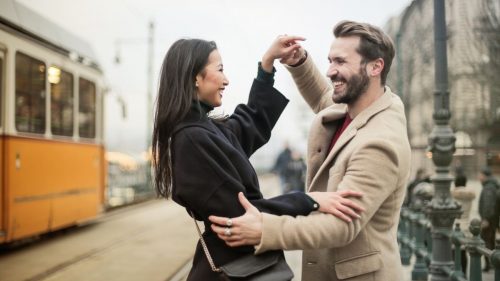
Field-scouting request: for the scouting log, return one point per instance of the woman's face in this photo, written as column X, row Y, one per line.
column 211, row 82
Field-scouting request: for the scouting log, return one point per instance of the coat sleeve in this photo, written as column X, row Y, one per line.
column 252, row 123
column 312, row 85
column 320, row 230
column 291, row 204
column 207, row 183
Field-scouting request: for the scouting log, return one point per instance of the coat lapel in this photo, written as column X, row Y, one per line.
column 334, row 113
column 324, row 126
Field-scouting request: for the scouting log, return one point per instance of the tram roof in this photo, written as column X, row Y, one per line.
column 27, row 21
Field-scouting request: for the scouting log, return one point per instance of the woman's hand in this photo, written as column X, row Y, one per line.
column 284, row 47
column 337, row 204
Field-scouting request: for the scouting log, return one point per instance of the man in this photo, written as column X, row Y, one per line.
column 280, row 166
column 488, row 210
column 370, row 155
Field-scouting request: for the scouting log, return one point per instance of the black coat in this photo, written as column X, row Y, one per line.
column 489, row 204
column 210, row 166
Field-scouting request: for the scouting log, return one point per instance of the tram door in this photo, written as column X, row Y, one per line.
column 2, row 139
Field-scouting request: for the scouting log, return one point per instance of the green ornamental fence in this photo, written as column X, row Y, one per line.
column 415, row 238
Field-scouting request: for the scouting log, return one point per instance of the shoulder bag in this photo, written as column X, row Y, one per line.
column 269, row 266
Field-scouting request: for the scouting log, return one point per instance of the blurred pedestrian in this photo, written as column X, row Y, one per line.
column 488, row 210
column 295, row 173
column 422, row 193
column 202, row 161
column 464, row 195
column 280, row 166
column 420, row 176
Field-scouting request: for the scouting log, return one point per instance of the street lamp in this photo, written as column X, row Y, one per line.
column 150, row 60
column 442, row 210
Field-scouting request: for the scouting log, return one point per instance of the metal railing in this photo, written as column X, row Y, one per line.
column 415, row 238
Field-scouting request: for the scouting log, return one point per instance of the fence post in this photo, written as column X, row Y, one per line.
column 420, row 271
column 475, row 256
column 428, row 237
column 405, row 250
column 456, row 235
column 495, row 259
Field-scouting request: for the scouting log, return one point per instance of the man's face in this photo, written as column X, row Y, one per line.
column 348, row 75
column 482, row 177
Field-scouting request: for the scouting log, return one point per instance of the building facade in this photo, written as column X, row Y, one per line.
column 473, row 29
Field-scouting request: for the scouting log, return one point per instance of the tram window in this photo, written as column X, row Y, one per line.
column 87, row 106
column 30, row 94
column 61, row 102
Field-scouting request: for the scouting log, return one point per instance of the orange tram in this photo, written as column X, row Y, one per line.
column 52, row 168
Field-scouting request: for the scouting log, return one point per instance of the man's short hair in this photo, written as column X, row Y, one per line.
column 374, row 43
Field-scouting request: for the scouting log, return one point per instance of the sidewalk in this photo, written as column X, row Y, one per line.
column 149, row 241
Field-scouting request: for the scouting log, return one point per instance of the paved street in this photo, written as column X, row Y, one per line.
column 149, row 241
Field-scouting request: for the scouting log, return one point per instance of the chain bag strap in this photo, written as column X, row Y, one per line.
column 204, row 246
column 269, row 266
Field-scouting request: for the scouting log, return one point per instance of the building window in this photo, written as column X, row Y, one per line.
column 30, row 94
column 61, row 101
column 87, row 106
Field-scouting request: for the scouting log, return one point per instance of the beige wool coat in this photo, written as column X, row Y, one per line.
column 372, row 156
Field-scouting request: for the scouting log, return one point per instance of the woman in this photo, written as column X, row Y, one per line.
column 464, row 195
column 202, row 162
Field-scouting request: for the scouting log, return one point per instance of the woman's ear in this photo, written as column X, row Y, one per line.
column 198, row 80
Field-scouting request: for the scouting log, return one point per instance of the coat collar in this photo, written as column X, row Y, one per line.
column 338, row 111
column 198, row 112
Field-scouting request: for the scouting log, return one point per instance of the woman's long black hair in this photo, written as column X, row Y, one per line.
column 185, row 59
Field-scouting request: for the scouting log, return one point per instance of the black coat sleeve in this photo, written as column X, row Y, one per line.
column 207, row 183
column 291, row 204
column 252, row 123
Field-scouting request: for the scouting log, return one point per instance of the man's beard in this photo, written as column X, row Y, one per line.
column 356, row 86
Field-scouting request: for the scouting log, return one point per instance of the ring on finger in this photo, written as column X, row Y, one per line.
column 229, row 222
column 227, row 231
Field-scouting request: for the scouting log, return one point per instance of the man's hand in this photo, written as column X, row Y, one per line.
column 337, row 204
column 284, row 47
column 295, row 57
column 244, row 230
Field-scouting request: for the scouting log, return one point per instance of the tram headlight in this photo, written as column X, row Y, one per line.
column 54, row 75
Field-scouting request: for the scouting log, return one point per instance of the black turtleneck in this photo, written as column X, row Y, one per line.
column 201, row 108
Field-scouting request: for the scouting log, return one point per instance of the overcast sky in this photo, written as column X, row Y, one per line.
column 243, row 29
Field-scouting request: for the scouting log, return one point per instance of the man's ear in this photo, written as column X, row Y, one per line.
column 375, row 67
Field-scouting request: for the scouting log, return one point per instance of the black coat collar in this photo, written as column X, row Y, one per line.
column 197, row 115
